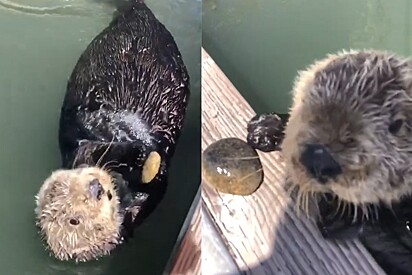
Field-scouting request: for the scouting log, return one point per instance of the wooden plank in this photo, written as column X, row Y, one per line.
column 188, row 258
column 261, row 231
column 216, row 259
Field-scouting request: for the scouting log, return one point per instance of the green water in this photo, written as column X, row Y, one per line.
column 38, row 54
column 261, row 44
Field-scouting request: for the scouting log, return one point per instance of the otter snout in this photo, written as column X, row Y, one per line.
column 96, row 189
column 319, row 162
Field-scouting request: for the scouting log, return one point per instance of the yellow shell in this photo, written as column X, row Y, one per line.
column 151, row 167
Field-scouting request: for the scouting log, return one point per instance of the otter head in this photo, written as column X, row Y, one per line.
column 350, row 128
column 77, row 212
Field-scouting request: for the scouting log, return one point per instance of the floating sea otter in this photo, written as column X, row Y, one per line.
column 348, row 144
column 120, row 121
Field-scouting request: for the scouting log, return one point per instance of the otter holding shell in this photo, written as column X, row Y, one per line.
column 121, row 119
column 348, row 144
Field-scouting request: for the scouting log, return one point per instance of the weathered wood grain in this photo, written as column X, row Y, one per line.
column 188, row 257
column 261, row 231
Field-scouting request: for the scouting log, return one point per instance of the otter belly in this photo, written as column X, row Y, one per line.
column 121, row 126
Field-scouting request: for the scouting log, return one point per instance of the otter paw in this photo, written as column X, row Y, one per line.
column 132, row 210
column 265, row 132
column 340, row 230
column 334, row 224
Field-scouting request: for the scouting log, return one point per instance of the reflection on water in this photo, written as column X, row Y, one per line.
column 61, row 8
column 261, row 44
column 38, row 54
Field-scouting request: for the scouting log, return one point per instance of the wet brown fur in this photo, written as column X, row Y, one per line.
column 64, row 196
column 347, row 102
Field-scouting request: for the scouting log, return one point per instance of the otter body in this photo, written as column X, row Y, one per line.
column 122, row 116
column 126, row 97
column 347, row 144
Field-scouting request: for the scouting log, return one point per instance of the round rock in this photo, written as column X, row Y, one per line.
column 232, row 166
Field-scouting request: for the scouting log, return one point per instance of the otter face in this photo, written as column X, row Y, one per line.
column 77, row 212
column 350, row 128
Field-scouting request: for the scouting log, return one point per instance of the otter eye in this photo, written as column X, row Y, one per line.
column 349, row 140
column 74, row 221
column 408, row 225
column 395, row 126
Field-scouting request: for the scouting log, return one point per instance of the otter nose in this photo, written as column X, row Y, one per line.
column 319, row 163
column 96, row 189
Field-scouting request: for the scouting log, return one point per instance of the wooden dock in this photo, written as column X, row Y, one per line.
column 187, row 260
column 261, row 232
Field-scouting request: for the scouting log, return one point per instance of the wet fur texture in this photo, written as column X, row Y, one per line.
column 348, row 101
column 127, row 97
column 64, row 196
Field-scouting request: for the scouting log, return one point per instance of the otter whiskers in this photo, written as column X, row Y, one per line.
column 111, row 164
column 305, row 194
column 105, row 152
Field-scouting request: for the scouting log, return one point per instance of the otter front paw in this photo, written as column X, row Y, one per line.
column 265, row 131
column 340, row 230
column 338, row 223
column 131, row 204
column 131, row 212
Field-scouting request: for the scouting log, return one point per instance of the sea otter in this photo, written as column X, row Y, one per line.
column 348, row 144
column 120, row 122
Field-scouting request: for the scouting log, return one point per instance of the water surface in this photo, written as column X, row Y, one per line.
column 260, row 44
column 39, row 46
